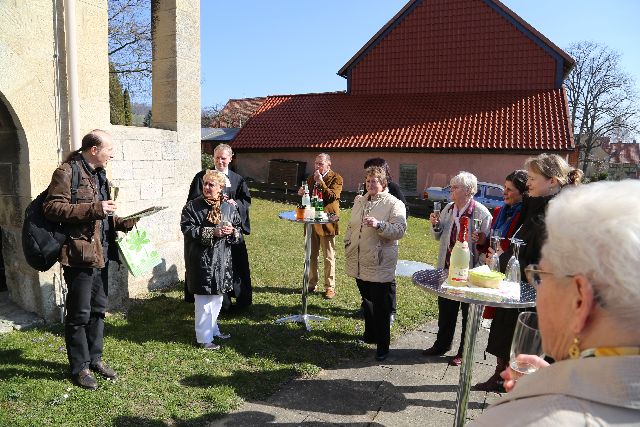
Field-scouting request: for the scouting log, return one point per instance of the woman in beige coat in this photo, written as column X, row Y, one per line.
column 587, row 301
column 378, row 221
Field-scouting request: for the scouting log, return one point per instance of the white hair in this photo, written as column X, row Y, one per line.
column 466, row 180
column 594, row 230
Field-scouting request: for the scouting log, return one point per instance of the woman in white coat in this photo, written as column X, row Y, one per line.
column 378, row 221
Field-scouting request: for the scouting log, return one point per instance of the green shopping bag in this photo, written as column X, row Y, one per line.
column 138, row 252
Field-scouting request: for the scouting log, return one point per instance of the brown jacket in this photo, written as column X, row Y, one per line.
column 331, row 197
column 83, row 221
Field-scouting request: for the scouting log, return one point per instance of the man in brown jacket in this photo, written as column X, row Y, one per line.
column 90, row 227
column 330, row 183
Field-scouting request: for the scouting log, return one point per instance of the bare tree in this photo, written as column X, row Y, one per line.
column 601, row 97
column 130, row 44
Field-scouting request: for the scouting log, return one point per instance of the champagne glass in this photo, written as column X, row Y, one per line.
column 113, row 192
column 513, row 266
column 436, row 208
column 526, row 340
column 361, row 188
column 494, row 260
column 477, row 224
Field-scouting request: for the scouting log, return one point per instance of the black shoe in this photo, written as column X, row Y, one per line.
column 104, row 370
column 380, row 356
column 85, row 380
column 434, row 351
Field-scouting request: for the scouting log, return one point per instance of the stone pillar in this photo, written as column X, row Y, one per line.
column 175, row 27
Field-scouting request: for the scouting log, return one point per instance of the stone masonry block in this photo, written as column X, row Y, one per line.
column 141, row 150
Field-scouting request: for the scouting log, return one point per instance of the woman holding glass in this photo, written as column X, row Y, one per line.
column 547, row 175
column 378, row 221
column 445, row 228
column 587, row 302
column 506, row 220
column 210, row 226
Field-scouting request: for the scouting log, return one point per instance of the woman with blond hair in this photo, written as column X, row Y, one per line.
column 547, row 174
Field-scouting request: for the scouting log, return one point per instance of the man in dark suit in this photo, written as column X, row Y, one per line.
column 237, row 193
column 324, row 236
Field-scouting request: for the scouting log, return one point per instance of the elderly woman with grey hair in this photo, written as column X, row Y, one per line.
column 210, row 225
column 587, row 302
column 445, row 228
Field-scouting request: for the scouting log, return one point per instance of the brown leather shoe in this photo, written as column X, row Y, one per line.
column 329, row 294
column 85, row 380
column 104, row 370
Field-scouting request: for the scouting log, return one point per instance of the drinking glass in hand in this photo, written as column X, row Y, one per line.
column 113, row 192
column 436, row 208
column 361, row 188
column 526, row 340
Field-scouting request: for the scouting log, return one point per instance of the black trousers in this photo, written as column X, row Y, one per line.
column 86, row 303
column 447, row 317
column 242, row 273
column 376, row 301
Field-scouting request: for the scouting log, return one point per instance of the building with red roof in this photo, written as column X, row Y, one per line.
column 442, row 87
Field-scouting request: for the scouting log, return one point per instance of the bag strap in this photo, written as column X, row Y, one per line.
column 75, row 181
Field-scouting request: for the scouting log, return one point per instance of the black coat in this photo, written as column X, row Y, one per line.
column 533, row 232
column 209, row 267
column 396, row 191
column 239, row 191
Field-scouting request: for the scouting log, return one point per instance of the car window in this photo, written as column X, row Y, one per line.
column 494, row 193
column 479, row 193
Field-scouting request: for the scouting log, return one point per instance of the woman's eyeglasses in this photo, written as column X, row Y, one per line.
column 534, row 275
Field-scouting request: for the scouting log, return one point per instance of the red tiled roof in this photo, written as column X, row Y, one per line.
column 456, row 46
column 511, row 120
column 622, row 152
column 245, row 107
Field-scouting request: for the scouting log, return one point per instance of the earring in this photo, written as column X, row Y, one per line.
column 574, row 349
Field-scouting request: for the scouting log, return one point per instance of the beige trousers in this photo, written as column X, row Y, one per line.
column 328, row 244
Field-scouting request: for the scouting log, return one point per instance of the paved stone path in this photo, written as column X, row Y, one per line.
column 407, row 389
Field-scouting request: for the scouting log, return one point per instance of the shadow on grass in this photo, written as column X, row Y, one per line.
column 33, row 368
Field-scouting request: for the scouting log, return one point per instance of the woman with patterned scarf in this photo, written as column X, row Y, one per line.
column 506, row 219
column 210, row 226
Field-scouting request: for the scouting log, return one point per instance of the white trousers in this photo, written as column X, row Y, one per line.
column 207, row 311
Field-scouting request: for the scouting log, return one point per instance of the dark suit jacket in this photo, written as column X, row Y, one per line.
column 238, row 192
column 331, row 197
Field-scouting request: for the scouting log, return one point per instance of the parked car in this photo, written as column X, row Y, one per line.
column 488, row 194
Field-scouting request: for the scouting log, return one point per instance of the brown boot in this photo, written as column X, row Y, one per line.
column 495, row 381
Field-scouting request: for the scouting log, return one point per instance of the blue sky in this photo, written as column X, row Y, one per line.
column 272, row 47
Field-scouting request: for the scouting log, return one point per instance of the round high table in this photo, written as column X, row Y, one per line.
column 432, row 281
column 308, row 224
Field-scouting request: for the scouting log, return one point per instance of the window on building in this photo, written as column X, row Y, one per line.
column 408, row 179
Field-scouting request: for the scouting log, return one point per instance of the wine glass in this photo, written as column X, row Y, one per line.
column 436, row 208
column 526, row 340
column 114, row 189
column 361, row 188
column 494, row 260
column 513, row 266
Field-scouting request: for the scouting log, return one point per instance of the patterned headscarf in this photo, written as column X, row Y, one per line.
column 214, row 215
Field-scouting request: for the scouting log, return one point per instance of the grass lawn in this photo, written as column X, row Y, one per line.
column 165, row 380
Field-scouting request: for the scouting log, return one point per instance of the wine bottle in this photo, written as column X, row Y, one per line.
column 319, row 206
column 460, row 256
column 306, row 200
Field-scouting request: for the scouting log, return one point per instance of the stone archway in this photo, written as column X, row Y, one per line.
column 10, row 206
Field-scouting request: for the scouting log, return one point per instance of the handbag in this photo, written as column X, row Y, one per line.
column 138, row 252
